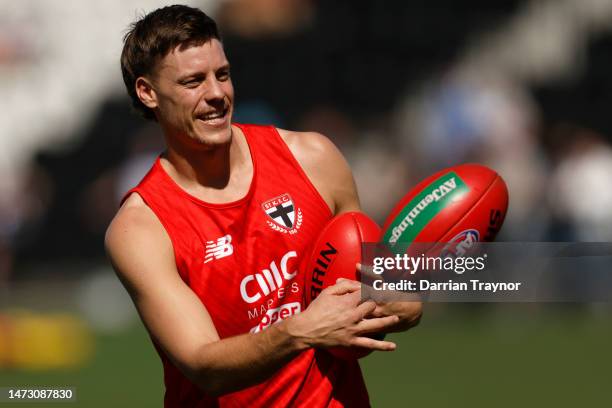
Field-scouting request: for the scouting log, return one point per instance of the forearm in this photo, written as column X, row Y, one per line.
column 241, row 361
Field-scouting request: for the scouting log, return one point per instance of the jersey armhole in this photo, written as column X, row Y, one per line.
column 138, row 191
column 301, row 170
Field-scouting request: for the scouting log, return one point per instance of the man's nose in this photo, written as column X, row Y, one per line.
column 214, row 91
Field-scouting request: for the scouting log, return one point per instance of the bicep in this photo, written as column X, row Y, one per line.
column 326, row 168
column 142, row 256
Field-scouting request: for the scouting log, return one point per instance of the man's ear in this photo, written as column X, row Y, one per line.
column 146, row 93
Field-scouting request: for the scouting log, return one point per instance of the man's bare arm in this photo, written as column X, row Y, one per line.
column 326, row 168
column 330, row 173
column 142, row 255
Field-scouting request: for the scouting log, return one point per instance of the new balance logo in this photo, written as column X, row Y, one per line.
column 218, row 249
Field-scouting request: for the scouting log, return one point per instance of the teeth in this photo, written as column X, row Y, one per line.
column 213, row 115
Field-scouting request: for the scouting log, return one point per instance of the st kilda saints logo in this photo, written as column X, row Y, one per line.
column 283, row 214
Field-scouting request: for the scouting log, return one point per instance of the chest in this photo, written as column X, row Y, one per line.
column 244, row 262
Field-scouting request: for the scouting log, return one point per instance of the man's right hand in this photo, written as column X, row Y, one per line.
column 337, row 317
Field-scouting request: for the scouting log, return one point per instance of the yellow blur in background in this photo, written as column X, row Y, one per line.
column 41, row 342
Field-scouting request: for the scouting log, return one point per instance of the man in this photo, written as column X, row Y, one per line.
column 208, row 244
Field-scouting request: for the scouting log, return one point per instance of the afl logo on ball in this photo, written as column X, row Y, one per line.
column 283, row 216
column 461, row 244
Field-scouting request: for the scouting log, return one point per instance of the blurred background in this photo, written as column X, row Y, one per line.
column 403, row 88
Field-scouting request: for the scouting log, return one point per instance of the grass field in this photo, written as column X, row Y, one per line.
column 521, row 357
column 527, row 360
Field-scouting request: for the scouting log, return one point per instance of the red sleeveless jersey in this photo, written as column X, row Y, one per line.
column 241, row 259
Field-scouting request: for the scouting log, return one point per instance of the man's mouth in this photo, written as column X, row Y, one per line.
column 215, row 117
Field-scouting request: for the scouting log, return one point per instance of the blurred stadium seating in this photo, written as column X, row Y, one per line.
column 403, row 88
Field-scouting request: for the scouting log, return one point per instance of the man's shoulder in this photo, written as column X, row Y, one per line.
column 309, row 144
column 133, row 212
column 325, row 166
column 135, row 222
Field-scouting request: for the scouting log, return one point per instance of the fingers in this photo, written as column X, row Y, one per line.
column 376, row 324
column 379, row 311
column 366, row 274
column 366, row 308
column 343, row 286
column 366, row 270
column 372, row 344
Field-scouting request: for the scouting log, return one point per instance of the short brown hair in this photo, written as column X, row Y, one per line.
column 155, row 35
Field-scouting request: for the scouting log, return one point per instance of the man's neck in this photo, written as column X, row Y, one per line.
column 216, row 168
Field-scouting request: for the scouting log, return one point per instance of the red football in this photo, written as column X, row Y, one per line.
column 334, row 255
column 337, row 250
column 463, row 204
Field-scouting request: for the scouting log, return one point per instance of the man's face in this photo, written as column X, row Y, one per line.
column 194, row 94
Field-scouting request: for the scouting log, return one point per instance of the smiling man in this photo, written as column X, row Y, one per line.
column 208, row 244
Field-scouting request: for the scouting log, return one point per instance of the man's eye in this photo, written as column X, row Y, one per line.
column 223, row 76
column 191, row 82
